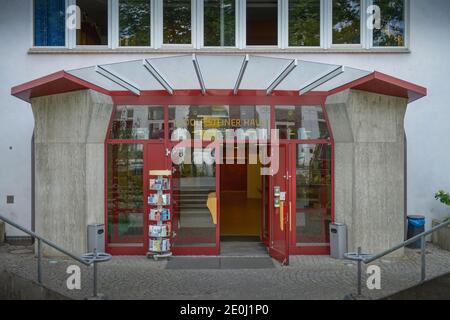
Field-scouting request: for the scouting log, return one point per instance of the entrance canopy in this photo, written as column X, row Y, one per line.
column 218, row 75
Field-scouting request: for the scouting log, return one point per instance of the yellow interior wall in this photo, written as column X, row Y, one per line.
column 254, row 181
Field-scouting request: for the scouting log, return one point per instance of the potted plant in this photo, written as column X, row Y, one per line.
column 442, row 236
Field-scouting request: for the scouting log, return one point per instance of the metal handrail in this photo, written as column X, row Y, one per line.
column 93, row 259
column 368, row 258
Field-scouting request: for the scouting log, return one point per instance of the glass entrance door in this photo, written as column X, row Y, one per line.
column 281, row 209
column 196, row 203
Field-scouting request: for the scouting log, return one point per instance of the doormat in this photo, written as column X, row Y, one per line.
column 224, row 263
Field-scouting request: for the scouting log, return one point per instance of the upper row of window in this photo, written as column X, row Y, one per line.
column 221, row 23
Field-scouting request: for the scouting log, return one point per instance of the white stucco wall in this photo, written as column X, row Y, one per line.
column 427, row 120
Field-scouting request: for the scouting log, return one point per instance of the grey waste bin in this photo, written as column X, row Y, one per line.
column 96, row 237
column 338, row 240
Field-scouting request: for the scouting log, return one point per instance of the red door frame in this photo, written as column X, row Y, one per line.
column 226, row 98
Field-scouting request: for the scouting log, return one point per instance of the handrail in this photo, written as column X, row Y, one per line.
column 87, row 259
column 47, row 242
column 368, row 258
column 407, row 242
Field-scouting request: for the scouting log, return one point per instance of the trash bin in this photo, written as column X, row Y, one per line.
column 338, row 240
column 96, row 237
column 416, row 225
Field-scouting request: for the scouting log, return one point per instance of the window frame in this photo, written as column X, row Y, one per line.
column 201, row 26
column 159, row 41
column 115, row 27
column 406, row 13
column 286, row 27
column 197, row 30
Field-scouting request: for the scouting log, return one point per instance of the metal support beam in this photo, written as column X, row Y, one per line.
column 241, row 74
column 321, row 80
column 199, row 73
column 157, row 76
column 118, row 80
column 291, row 66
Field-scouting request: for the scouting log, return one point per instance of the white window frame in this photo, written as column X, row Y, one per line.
column 285, row 26
column 159, row 42
column 197, row 29
column 72, row 35
column 201, row 26
column 329, row 28
column 406, row 35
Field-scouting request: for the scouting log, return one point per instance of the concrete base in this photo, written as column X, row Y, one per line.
column 369, row 168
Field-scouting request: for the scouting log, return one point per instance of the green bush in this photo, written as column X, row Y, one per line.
column 443, row 196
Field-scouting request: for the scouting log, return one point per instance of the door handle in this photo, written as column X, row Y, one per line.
column 282, row 215
column 290, row 216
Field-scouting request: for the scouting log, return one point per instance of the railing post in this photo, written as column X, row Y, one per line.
column 39, row 262
column 95, row 280
column 423, row 259
column 359, row 272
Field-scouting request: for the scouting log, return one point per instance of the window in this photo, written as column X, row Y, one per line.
column 177, row 26
column 219, row 23
column 346, row 22
column 134, row 22
column 392, row 28
column 125, row 192
column 49, row 23
column 262, row 22
column 94, row 23
column 301, row 122
column 304, row 23
column 313, row 194
column 138, row 123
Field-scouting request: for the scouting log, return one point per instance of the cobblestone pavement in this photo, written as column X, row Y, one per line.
column 307, row 277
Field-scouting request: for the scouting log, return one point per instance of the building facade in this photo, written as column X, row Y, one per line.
column 408, row 45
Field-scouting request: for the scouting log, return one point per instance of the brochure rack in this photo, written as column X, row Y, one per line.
column 159, row 215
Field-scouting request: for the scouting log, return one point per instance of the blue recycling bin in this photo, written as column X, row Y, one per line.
column 416, row 225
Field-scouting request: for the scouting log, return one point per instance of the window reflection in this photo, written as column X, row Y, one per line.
column 134, row 22
column 346, row 21
column 392, row 31
column 138, row 123
column 304, row 23
column 177, row 26
column 301, row 122
column 194, row 182
column 313, row 193
column 219, row 22
column 125, row 195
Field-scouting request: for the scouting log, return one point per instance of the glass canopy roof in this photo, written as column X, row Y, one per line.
column 225, row 72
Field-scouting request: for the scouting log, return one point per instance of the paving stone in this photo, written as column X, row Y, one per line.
column 307, row 277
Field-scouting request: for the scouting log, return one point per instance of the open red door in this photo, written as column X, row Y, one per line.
column 280, row 211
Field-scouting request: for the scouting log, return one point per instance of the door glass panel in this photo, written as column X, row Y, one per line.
column 313, row 193
column 125, row 194
column 138, row 123
column 193, row 221
column 301, row 122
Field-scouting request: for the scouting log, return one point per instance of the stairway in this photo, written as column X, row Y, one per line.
column 192, row 205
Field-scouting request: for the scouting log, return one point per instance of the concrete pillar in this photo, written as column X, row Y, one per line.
column 70, row 131
column 369, row 167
